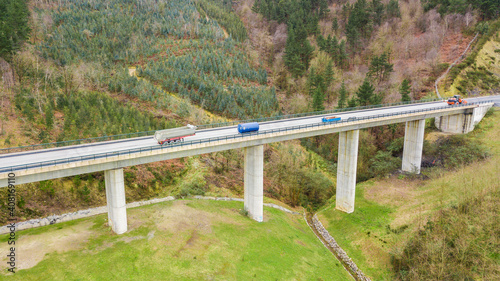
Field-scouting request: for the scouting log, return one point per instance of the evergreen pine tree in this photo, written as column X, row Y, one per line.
column 358, row 26
column 315, row 81
column 387, row 66
column 342, row 60
column 365, row 93
column 298, row 51
column 311, row 81
column 404, row 90
column 49, row 117
column 318, row 100
column 342, row 96
column 292, row 59
column 335, row 24
column 380, row 68
column 378, row 11
column 328, row 78
column 352, row 102
column 393, row 9
column 377, row 98
column 323, row 8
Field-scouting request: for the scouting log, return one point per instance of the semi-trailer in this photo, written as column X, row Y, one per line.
column 248, row 127
column 330, row 119
column 175, row 134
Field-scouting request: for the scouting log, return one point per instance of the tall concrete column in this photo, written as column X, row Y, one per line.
column 254, row 182
column 346, row 170
column 414, row 142
column 115, row 197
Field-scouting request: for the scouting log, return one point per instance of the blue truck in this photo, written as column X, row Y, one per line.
column 330, row 119
column 248, row 127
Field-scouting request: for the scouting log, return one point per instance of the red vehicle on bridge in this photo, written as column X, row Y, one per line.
column 456, row 100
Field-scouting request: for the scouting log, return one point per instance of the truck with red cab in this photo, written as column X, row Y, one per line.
column 456, row 100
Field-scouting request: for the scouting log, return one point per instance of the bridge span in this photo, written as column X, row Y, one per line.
column 112, row 156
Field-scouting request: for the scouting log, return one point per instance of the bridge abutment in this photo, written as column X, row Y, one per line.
column 462, row 123
column 346, row 170
column 413, row 144
column 115, row 197
column 254, row 182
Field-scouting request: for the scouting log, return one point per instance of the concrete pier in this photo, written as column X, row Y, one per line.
column 115, row 197
column 346, row 170
column 414, row 142
column 254, row 182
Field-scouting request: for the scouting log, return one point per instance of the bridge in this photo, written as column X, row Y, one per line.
column 112, row 156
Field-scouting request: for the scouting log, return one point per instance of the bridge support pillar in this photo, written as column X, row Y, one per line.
column 254, row 182
column 414, row 142
column 346, row 170
column 115, row 197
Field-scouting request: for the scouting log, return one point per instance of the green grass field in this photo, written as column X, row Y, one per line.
column 180, row 240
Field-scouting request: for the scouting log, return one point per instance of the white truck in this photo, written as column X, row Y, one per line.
column 174, row 135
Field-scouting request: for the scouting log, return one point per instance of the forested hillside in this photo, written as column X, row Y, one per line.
column 334, row 54
column 379, row 44
column 171, row 42
column 74, row 78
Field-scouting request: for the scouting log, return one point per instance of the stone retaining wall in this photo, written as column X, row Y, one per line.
column 340, row 253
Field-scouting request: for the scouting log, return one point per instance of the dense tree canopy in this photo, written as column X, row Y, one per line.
column 222, row 12
column 337, row 50
column 14, row 28
column 171, row 45
column 301, row 17
column 489, row 9
column 362, row 17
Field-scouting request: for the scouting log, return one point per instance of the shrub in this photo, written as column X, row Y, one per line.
column 384, row 163
column 456, row 150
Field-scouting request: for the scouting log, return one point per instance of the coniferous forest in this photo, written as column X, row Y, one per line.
column 168, row 42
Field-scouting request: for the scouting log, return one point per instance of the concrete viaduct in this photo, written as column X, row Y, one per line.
column 452, row 119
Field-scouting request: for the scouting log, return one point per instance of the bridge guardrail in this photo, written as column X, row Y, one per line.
column 176, row 144
column 288, row 116
column 200, row 127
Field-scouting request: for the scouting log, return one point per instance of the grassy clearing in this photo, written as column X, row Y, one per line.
column 362, row 234
column 391, row 214
column 181, row 240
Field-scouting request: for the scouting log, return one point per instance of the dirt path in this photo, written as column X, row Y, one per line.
column 132, row 71
column 31, row 249
column 226, row 35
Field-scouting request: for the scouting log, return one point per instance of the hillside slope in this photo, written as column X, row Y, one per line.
column 445, row 227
